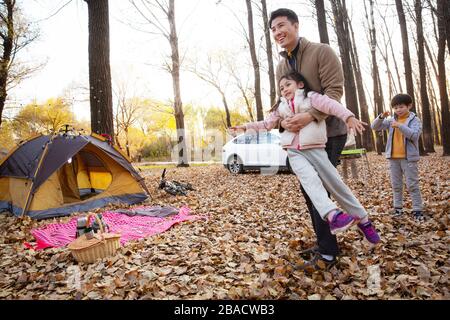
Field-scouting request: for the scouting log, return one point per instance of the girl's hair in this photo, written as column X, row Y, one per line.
column 275, row 106
column 297, row 77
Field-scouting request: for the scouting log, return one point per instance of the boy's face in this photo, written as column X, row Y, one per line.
column 285, row 33
column 402, row 109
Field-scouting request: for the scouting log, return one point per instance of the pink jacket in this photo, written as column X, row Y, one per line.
column 314, row 135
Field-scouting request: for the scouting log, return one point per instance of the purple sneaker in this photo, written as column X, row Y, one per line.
column 369, row 232
column 341, row 222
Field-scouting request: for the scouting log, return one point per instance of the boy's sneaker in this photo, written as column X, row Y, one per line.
column 397, row 212
column 418, row 216
column 340, row 222
column 369, row 232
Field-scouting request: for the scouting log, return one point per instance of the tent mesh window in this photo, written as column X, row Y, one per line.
column 92, row 175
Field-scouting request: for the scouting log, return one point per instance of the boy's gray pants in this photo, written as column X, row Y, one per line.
column 400, row 167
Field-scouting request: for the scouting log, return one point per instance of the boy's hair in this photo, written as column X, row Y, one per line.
column 294, row 76
column 401, row 98
column 283, row 12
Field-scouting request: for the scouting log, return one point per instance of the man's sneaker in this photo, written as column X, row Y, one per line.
column 317, row 262
column 397, row 212
column 418, row 216
column 309, row 252
column 340, row 222
column 369, row 232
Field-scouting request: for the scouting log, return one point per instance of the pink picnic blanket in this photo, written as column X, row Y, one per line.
column 130, row 228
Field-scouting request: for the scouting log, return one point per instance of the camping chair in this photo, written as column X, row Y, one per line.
column 351, row 154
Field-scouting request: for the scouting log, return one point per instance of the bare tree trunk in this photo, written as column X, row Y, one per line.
column 341, row 25
column 102, row 119
column 385, row 55
column 8, row 39
column 259, row 109
column 432, row 93
column 432, row 58
column 377, row 98
column 244, row 95
column 178, row 105
column 396, row 66
column 426, row 116
column 272, row 86
column 382, row 107
column 407, row 61
column 406, row 55
column 446, row 11
column 442, row 27
column 227, row 110
column 434, row 111
column 117, row 123
column 242, row 89
column 212, row 79
column 434, row 18
column 322, row 21
column 367, row 135
column 388, row 31
column 127, row 142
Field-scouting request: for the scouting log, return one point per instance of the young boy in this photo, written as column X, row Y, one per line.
column 402, row 150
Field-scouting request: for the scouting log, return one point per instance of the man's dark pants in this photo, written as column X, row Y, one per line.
column 325, row 240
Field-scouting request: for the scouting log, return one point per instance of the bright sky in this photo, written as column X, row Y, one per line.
column 202, row 25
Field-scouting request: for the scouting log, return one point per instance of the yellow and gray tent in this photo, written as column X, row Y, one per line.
column 55, row 175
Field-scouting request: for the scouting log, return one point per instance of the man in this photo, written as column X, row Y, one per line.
column 321, row 67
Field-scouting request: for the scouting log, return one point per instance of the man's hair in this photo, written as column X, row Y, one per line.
column 401, row 98
column 283, row 12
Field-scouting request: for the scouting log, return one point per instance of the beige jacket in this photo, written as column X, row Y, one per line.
column 321, row 67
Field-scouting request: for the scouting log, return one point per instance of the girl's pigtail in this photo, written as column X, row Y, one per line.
column 275, row 106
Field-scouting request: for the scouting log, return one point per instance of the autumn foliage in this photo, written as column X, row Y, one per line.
column 248, row 247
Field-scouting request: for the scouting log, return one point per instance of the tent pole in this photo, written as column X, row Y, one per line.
column 27, row 203
column 142, row 183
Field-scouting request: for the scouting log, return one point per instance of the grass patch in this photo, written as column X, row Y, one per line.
column 162, row 166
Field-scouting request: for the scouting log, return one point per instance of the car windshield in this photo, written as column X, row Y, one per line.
column 260, row 138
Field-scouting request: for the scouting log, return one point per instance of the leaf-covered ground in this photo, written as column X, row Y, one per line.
column 256, row 226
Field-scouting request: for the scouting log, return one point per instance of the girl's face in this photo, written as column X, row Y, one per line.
column 288, row 87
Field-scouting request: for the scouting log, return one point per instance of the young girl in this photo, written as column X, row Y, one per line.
column 307, row 156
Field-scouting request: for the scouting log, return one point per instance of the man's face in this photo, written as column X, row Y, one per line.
column 285, row 33
column 401, row 109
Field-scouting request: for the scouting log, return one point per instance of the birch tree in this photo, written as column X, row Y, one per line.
column 150, row 11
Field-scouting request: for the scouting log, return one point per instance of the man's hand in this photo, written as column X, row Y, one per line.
column 297, row 121
column 355, row 125
column 395, row 124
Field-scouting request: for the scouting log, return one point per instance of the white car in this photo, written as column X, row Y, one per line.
column 252, row 151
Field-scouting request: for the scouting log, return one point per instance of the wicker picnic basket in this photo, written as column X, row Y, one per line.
column 102, row 245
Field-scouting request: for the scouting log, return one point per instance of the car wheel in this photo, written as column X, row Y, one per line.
column 235, row 165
